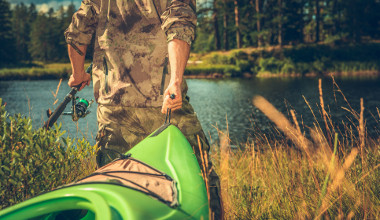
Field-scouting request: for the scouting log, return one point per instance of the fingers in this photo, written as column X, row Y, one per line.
column 172, row 98
column 173, row 104
column 80, row 81
column 82, row 86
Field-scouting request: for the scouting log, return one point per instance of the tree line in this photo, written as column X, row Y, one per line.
column 27, row 35
column 228, row 24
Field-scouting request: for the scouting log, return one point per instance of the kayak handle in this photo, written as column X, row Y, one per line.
column 168, row 114
column 169, row 111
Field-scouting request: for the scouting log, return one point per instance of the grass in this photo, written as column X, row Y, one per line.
column 293, row 60
column 334, row 174
column 209, row 69
column 324, row 171
column 38, row 70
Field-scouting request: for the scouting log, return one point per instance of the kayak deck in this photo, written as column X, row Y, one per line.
column 168, row 152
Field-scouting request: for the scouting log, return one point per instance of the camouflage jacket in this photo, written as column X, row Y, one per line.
column 130, row 64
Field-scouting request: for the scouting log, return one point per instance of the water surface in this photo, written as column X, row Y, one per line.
column 216, row 101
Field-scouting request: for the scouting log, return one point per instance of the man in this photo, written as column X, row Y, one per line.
column 135, row 42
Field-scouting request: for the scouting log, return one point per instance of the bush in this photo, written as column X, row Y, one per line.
column 215, row 58
column 271, row 65
column 36, row 161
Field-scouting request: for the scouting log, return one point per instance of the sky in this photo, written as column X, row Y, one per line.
column 44, row 5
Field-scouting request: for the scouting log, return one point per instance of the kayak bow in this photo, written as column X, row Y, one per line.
column 168, row 153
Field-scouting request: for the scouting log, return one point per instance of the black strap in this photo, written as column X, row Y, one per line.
column 165, row 125
column 168, row 115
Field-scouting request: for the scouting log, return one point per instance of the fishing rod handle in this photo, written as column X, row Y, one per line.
column 58, row 111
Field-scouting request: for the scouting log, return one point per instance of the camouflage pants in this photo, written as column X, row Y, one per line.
column 121, row 128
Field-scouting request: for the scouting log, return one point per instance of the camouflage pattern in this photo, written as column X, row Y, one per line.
column 130, row 50
column 121, row 128
column 130, row 55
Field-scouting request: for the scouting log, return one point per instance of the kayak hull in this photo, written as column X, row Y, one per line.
column 168, row 152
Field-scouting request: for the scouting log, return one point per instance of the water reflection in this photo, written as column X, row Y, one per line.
column 217, row 102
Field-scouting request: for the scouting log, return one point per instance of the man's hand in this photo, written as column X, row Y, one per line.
column 81, row 79
column 173, row 104
column 178, row 55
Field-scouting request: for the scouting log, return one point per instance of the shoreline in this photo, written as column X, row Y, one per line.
column 361, row 60
column 192, row 71
column 365, row 73
column 65, row 75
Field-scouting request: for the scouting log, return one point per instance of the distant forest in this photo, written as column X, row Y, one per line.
column 27, row 35
column 229, row 24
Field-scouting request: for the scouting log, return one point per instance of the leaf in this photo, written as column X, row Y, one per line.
column 5, row 168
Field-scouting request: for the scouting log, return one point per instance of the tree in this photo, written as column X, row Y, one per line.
column 280, row 36
column 21, row 22
column 44, row 45
column 293, row 21
column 317, row 20
column 6, row 36
column 258, row 24
column 237, row 21
column 215, row 13
column 206, row 35
column 225, row 24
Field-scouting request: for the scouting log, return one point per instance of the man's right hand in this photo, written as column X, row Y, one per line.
column 82, row 79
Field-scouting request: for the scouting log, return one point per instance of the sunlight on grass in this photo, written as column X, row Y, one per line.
column 38, row 70
column 333, row 174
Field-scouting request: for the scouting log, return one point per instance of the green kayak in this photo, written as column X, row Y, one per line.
column 158, row 179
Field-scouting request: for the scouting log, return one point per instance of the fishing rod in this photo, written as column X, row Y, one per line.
column 78, row 109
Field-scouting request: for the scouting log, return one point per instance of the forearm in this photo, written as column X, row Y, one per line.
column 178, row 55
column 77, row 60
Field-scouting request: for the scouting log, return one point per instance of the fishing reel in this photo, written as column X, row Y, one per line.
column 79, row 108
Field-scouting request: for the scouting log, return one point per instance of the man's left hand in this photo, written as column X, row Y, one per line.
column 173, row 104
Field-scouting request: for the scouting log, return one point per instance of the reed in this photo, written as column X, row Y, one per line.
column 301, row 178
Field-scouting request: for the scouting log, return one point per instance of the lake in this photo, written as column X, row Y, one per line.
column 216, row 101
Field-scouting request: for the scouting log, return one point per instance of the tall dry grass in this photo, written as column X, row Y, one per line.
column 332, row 174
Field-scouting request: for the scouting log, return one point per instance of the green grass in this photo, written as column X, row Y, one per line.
column 300, row 60
column 210, row 69
column 38, row 71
